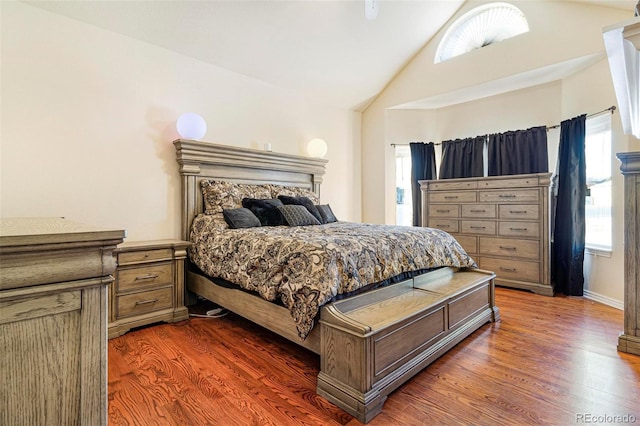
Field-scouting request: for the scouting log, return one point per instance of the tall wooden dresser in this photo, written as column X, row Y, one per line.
column 54, row 275
column 501, row 221
column 629, row 340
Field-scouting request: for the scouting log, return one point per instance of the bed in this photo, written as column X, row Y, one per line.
column 369, row 342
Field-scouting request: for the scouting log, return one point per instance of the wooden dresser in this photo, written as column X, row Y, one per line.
column 501, row 221
column 54, row 275
column 629, row 340
column 149, row 285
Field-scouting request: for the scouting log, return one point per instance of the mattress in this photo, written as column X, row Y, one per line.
column 305, row 267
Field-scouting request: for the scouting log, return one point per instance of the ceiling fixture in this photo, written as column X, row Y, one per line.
column 370, row 9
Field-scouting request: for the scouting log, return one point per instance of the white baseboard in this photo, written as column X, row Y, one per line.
column 603, row 299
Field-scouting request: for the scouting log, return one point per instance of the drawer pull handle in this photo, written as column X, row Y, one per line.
column 478, row 211
column 443, row 211
column 146, row 302
column 518, row 229
column 146, row 277
column 478, row 227
column 442, row 226
column 507, row 196
column 517, row 211
column 507, row 269
column 510, row 248
column 450, row 197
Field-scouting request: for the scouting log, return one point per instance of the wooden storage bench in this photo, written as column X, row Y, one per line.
column 404, row 327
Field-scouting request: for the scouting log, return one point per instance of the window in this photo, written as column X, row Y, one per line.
column 598, row 202
column 404, row 202
column 482, row 26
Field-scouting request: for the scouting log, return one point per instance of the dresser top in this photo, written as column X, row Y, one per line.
column 26, row 231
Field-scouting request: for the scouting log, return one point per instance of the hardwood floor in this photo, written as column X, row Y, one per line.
column 550, row 360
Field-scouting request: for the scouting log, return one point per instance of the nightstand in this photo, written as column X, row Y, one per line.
column 149, row 285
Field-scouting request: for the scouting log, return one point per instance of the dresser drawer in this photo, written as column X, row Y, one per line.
column 144, row 302
column 518, row 270
column 484, row 227
column 508, row 183
column 468, row 243
column 529, row 249
column 144, row 256
column 479, row 211
column 452, row 197
column 143, row 276
column 510, row 196
column 519, row 211
column 519, row 229
column 444, row 210
column 444, row 224
column 450, row 186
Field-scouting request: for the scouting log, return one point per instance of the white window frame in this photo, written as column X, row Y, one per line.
column 599, row 126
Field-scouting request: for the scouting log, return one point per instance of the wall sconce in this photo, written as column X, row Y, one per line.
column 317, row 148
column 191, row 126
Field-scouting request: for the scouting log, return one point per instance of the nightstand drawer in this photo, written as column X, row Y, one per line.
column 140, row 277
column 144, row 256
column 144, row 302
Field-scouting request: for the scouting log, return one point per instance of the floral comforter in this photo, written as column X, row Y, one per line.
column 306, row 266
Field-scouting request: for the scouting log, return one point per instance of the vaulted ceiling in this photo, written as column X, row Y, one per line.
column 325, row 50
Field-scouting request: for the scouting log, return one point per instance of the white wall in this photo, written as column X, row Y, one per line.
column 88, row 119
column 560, row 31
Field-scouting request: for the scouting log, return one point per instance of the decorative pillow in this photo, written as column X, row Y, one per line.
column 326, row 213
column 293, row 191
column 220, row 195
column 302, row 201
column 265, row 210
column 240, row 218
column 297, row 215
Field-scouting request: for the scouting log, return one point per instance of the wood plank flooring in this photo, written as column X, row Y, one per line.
column 550, row 360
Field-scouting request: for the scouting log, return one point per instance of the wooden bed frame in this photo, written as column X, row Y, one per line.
column 368, row 344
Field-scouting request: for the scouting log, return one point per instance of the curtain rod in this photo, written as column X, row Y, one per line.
column 406, row 144
column 612, row 108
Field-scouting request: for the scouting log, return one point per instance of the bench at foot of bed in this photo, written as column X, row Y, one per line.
column 373, row 343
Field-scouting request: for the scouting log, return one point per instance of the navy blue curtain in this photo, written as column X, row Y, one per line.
column 423, row 167
column 518, row 152
column 567, row 251
column 462, row 158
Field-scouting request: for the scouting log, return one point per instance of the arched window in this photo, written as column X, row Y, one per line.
column 482, row 26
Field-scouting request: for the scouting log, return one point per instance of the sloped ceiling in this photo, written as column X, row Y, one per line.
column 324, row 50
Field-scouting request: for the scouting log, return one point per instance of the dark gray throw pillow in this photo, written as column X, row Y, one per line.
column 326, row 213
column 302, row 201
column 240, row 218
column 265, row 210
column 297, row 215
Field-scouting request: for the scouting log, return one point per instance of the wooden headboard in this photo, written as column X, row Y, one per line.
column 204, row 160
